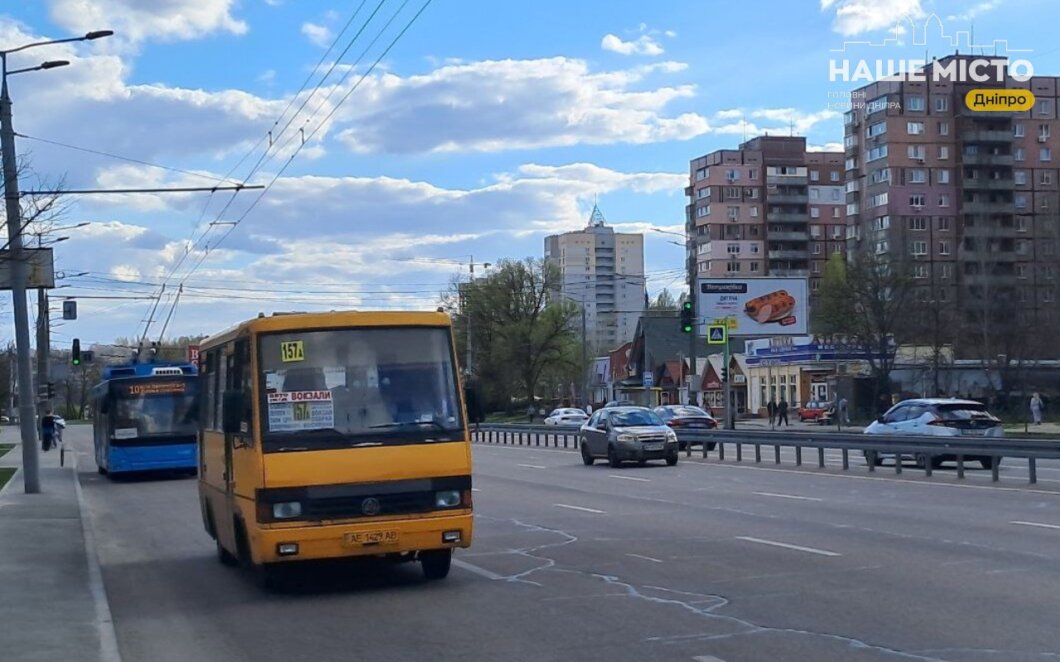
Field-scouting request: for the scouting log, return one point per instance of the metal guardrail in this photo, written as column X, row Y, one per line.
column 920, row 447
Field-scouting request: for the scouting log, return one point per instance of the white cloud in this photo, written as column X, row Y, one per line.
column 975, row 10
column 854, row 17
column 827, row 147
column 730, row 114
column 515, row 104
column 139, row 20
column 318, row 35
column 644, row 45
column 783, row 121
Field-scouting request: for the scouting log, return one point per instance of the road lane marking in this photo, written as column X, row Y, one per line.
column 639, row 480
column 581, row 508
column 530, row 466
column 646, row 558
column 798, row 548
column 475, row 489
column 788, row 496
column 1038, row 524
column 474, row 569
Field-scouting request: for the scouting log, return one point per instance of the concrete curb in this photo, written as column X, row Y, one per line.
column 18, row 469
column 108, row 638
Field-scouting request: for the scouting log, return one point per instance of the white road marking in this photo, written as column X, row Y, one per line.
column 788, row 496
column 774, row 543
column 581, row 508
column 646, row 558
column 707, row 658
column 481, row 572
column 530, row 466
column 639, row 480
column 475, row 489
column 1038, row 524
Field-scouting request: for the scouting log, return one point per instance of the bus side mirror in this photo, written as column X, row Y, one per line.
column 233, row 403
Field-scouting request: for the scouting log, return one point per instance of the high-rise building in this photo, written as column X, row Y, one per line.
column 966, row 200
column 604, row 271
column 769, row 208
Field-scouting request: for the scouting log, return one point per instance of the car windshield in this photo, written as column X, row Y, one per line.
column 687, row 411
column 154, row 408
column 627, row 419
column 572, row 412
column 352, row 387
column 965, row 411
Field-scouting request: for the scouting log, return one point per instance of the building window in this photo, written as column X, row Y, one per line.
column 916, row 200
column 942, row 176
column 814, row 175
column 1047, row 295
column 881, row 175
column 882, row 223
column 815, row 231
column 815, row 193
column 1018, row 130
column 914, row 102
column 732, row 175
column 944, row 200
column 945, row 271
column 914, row 128
column 733, row 249
column 920, row 271
column 752, row 174
column 1020, row 201
column 754, row 267
column 1045, row 107
column 877, row 153
column 701, row 174
column 816, row 248
column 703, row 211
column 1043, row 131
column 878, row 200
column 944, row 128
column 1045, row 154
column 943, row 223
column 944, row 247
column 944, row 152
column 876, row 105
column 917, row 223
column 919, row 248
column 1021, row 247
column 916, row 152
column 941, row 104
column 837, row 248
column 732, row 267
column 1021, row 224
column 1046, row 177
column 837, row 232
column 1021, row 271
column 734, row 213
column 877, row 129
column 732, row 193
column 835, row 212
column 834, row 176
column 1019, row 154
column 815, row 212
column 881, row 247
column 918, row 176
column 1020, row 177
column 816, row 268
column 751, row 193
column 754, row 249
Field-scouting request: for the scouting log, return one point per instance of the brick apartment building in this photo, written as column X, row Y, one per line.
column 769, row 208
column 967, row 200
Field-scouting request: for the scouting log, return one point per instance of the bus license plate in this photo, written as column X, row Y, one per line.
column 372, row 538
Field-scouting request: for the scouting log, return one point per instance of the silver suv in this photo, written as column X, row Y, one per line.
column 627, row 434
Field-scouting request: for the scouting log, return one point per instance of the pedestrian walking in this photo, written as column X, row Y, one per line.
column 782, row 412
column 530, row 413
column 844, row 415
column 50, row 429
column 771, row 409
column 1036, row 408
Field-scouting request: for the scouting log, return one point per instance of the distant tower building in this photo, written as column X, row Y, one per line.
column 604, row 270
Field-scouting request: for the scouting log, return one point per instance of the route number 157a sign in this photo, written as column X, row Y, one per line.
column 292, row 350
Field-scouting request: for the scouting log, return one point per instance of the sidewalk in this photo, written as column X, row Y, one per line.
column 52, row 602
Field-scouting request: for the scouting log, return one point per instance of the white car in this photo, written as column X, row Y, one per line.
column 567, row 418
column 940, row 417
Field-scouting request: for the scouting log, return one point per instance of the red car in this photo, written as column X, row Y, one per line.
column 813, row 410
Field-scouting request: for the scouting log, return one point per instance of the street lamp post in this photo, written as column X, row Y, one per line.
column 690, row 265
column 19, row 268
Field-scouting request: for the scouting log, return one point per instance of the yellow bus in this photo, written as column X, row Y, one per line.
column 332, row 435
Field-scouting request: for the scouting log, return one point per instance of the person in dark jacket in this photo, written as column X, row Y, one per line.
column 782, row 412
column 771, row 409
column 474, row 406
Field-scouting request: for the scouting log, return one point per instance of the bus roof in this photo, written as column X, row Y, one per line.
column 328, row 320
column 147, row 370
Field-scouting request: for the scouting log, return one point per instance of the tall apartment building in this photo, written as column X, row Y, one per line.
column 967, row 200
column 604, row 271
column 769, row 208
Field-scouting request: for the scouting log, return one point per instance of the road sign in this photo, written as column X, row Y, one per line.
column 41, row 272
column 69, row 310
column 717, row 334
column 647, row 380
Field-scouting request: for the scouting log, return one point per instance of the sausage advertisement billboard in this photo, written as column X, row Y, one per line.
column 759, row 306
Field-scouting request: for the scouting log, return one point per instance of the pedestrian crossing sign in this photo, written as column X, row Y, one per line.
column 717, row 334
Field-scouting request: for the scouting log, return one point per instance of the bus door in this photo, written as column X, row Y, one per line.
column 240, row 460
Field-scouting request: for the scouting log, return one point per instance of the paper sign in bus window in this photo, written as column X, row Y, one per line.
column 292, row 350
column 301, row 410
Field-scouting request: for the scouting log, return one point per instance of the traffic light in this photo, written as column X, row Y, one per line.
column 725, row 373
column 51, row 391
column 75, row 352
column 688, row 318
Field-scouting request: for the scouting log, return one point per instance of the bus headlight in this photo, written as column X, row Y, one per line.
column 287, row 510
column 447, row 498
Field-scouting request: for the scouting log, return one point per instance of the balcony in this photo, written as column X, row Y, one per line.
column 993, row 231
column 787, row 217
column 788, row 235
column 987, row 208
column 987, row 136
column 788, row 254
column 987, row 159
column 987, row 256
column 788, row 198
column 983, row 184
column 790, row 180
column 790, row 273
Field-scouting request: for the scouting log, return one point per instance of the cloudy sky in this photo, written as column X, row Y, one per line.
column 484, row 127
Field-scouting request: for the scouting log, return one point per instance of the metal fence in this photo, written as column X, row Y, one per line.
column 926, row 450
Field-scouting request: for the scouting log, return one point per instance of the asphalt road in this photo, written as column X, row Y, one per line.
column 697, row 562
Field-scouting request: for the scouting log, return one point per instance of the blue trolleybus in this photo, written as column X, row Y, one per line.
column 145, row 418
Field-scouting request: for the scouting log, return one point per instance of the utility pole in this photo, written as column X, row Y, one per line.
column 585, row 361
column 19, row 276
column 43, row 342
column 467, row 312
column 693, row 383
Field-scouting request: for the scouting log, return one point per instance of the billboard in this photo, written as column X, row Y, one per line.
column 754, row 306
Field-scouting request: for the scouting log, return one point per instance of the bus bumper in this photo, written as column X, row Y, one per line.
column 374, row 538
column 152, row 458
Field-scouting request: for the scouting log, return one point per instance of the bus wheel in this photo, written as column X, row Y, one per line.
column 436, row 563
column 101, row 471
column 224, row 556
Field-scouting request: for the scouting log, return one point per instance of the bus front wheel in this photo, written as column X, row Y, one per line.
column 224, row 556
column 436, row 563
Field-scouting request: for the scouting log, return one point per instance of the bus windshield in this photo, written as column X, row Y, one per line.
column 154, row 408
column 352, row 387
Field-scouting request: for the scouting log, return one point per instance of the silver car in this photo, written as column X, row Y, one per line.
column 627, row 434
